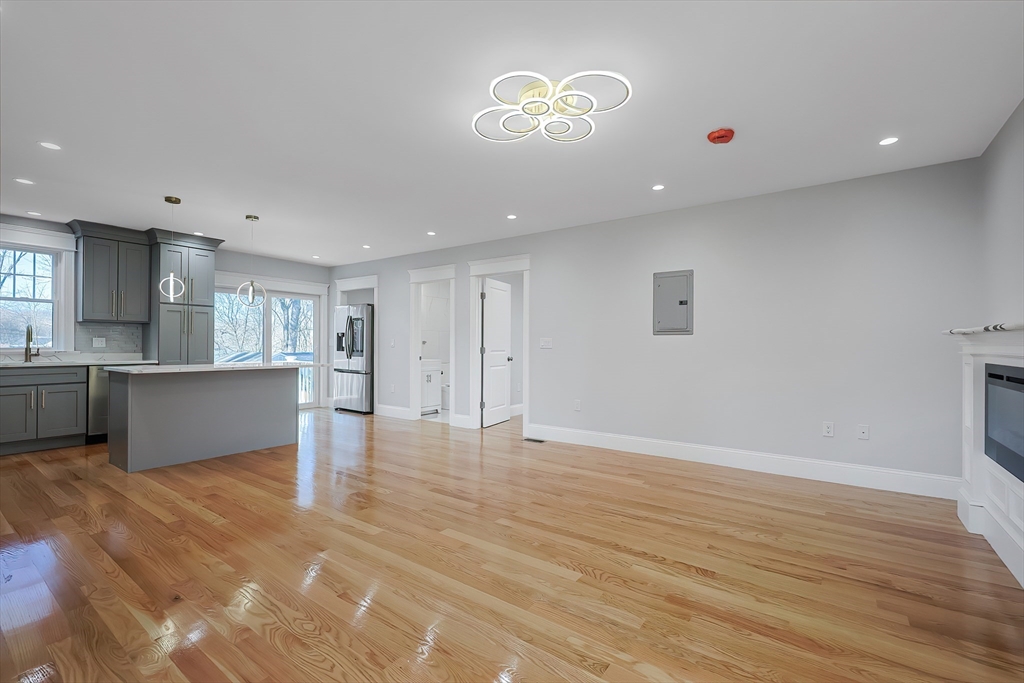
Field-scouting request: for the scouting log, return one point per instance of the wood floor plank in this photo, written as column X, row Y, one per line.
column 387, row 550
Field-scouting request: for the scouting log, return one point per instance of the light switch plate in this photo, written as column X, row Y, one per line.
column 99, row 342
column 545, row 342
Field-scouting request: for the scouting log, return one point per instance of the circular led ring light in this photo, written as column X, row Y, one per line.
column 524, row 132
column 589, row 132
column 514, row 74
column 171, row 283
column 607, row 74
column 560, row 122
column 256, row 295
column 574, row 93
column 491, row 110
column 535, row 102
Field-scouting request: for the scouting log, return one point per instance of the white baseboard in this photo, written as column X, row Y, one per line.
column 463, row 421
column 919, row 483
column 977, row 518
column 400, row 412
column 517, row 409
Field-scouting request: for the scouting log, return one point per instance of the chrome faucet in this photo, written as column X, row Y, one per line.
column 28, row 345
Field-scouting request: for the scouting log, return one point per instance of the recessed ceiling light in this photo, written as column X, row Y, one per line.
column 658, row 187
column 431, row 233
column 511, row 216
column 366, row 246
column 316, row 257
column 198, row 233
column 49, row 145
column 888, row 141
column 23, row 181
column 33, row 213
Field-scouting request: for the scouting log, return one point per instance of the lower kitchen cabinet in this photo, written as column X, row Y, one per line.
column 42, row 408
column 17, row 414
column 200, row 335
column 184, row 335
column 61, row 410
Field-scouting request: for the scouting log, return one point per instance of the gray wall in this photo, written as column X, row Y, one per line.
column 1003, row 223
column 822, row 303
column 238, row 262
column 359, row 296
column 516, row 369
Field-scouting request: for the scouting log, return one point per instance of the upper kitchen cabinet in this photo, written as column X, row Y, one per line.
column 192, row 265
column 112, row 273
column 201, row 277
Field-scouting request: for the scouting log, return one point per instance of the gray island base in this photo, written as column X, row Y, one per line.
column 167, row 415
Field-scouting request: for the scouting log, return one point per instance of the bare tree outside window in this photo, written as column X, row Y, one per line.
column 26, row 297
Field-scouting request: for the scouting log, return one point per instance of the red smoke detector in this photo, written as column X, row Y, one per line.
column 721, row 136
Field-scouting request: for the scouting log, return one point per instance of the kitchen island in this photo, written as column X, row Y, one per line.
column 169, row 414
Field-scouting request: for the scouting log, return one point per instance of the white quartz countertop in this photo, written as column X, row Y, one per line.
column 225, row 367
column 36, row 363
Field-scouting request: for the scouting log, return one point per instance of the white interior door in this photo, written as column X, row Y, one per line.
column 497, row 343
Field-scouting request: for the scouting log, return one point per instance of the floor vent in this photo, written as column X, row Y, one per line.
column 534, row 440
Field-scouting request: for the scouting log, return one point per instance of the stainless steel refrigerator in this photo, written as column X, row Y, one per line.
column 353, row 358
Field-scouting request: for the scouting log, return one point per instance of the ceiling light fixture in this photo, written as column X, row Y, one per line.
column 560, row 110
column 198, row 233
column 33, row 213
column 511, row 216
column 888, row 141
column 658, row 187
column 170, row 284
column 316, row 257
column 366, row 246
column 49, row 145
column 255, row 294
column 23, row 181
column 431, row 233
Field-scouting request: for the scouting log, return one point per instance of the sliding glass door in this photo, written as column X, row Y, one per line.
column 293, row 334
column 289, row 322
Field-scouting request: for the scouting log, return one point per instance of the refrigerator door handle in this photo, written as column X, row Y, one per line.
column 350, row 332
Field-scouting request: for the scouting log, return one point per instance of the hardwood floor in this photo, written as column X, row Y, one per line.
column 381, row 549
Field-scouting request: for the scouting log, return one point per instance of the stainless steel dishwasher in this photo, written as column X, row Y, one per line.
column 99, row 395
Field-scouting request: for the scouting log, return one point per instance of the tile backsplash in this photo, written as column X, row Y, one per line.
column 121, row 337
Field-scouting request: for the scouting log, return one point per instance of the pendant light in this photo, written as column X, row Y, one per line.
column 170, row 284
column 251, row 293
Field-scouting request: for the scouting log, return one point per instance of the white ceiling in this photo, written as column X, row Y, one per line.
column 343, row 124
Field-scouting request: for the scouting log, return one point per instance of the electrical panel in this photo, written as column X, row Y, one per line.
column 673, row 302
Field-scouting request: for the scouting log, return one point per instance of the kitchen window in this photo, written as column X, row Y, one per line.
column 26, row 297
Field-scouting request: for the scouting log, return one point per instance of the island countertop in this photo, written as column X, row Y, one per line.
column 216, row 367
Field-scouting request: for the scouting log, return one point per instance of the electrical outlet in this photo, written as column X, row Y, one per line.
column 99, row 342
column 576, row 405
column 545, row 342
column 828, row 428
column 863, row 432
column 392, row 388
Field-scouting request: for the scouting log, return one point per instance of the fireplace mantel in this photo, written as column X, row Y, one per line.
column 991, row 501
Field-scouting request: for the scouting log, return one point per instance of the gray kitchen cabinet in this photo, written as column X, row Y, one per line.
column 17, row 414
column 173, row 259
column 96, row 274
column 201, row 277
column 172, row 342
column 200, row 335
column 61, row 410
column 133, row 282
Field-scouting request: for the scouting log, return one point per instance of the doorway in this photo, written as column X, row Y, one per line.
column 499, row 334
column 432, row 343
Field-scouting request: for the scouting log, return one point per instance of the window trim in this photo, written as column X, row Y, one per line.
column 62, row 246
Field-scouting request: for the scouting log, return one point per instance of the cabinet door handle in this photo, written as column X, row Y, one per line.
column 192, row 322
column 42, row 400
column 32, row 401
column 122, row 304
column 183, row 317
column 113, row 299
column 191, row 289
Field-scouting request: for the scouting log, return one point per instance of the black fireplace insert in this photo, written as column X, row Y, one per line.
column 1004, row 417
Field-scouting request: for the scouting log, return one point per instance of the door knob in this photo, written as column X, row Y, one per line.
column 510, row 359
